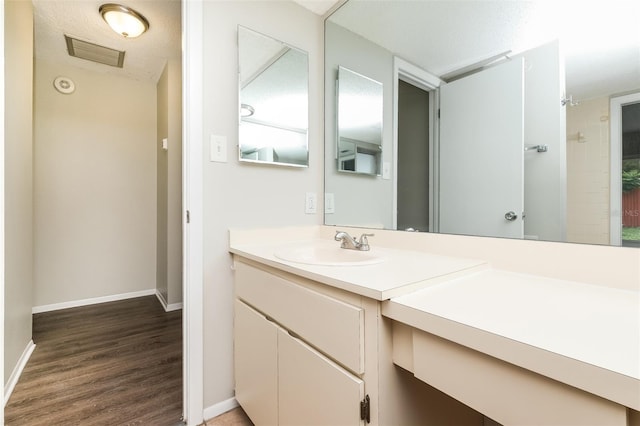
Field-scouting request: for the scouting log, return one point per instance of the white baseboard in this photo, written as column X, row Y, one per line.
column 220, row 408
column 168, row 307
column 92, row 301
column 17, row 371
column 173, row 307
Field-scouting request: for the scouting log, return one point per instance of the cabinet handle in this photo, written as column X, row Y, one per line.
column 365, row 409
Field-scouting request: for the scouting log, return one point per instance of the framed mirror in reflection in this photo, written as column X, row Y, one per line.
column 359, row 139
column 273, row 111
column 510, row 119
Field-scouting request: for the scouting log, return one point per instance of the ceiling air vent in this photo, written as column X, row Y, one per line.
column 93, row 52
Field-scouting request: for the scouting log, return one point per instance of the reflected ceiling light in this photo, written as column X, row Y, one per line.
column 246, row 110
column 124, row 20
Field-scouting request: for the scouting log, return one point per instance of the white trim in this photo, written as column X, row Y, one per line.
column 168, row 307
column 615, row 215
column 173, row 307
column 92, row 301
column 17, row 371
column 192, row 183
column 409, row 73
column 220, row 408
column 2, row 95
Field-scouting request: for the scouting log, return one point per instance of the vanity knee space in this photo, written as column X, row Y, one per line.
column 501, row 391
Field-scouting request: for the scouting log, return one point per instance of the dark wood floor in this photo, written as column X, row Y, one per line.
column 117, row 363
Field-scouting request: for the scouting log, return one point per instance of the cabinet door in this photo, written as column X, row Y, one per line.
column 314, row 390
column 256, row 365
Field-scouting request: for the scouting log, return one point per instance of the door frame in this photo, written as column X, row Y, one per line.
column 192, row 194
column 416, row 76
column 615, row 190
column 2, row 211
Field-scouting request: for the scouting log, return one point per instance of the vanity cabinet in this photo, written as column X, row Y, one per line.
column 424, row 340
column 290, row 368
column 307, row 353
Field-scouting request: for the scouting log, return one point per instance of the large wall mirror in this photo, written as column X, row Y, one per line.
column 274, row 87
column 500, row 118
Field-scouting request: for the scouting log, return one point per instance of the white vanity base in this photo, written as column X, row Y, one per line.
column 432, row 339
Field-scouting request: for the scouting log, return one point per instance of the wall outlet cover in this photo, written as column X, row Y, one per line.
column 310, row 203
column 329, row 203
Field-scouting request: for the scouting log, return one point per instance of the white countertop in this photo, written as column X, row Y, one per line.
column 401, row 271
column 583, row 335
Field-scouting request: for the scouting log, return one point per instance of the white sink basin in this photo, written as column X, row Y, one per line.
column 328, row 256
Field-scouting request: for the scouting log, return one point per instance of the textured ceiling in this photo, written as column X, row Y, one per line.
column 319, row 7
column 145, row 56
column 600, row 39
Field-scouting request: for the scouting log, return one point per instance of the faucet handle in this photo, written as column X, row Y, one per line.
column 364, row 241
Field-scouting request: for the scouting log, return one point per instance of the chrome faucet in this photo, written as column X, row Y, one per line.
column 348, row 242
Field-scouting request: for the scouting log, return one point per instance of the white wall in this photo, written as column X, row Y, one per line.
column 588, row 164
column 244, row 194
column 358, row 199
column 18, row 181
column 95, row 186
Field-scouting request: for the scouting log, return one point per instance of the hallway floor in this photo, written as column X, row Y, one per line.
column 109, row 364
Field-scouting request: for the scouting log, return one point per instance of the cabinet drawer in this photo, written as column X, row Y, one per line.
column 333, row 327
column 503, row 391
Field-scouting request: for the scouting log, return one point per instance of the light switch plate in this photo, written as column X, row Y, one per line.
column 218, row 148
column 310, row 203
column 329, row 203
column 165, row 144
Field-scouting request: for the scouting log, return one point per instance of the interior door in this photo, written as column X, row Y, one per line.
column 482, row 153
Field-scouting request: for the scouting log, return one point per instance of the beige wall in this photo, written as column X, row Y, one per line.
column 169, row 185
column 248, row 195
column 95, row 186
column 588, row 164
column 162, row 159
column 174, row 186
column 18, row 145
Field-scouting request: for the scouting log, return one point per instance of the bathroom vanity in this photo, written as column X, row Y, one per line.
column 325, row 335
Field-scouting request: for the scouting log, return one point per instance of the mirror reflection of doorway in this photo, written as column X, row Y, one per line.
column 625, row 170
column 631, row 175
column 413, row 158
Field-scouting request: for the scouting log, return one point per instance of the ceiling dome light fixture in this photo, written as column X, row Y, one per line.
column 124, row 20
